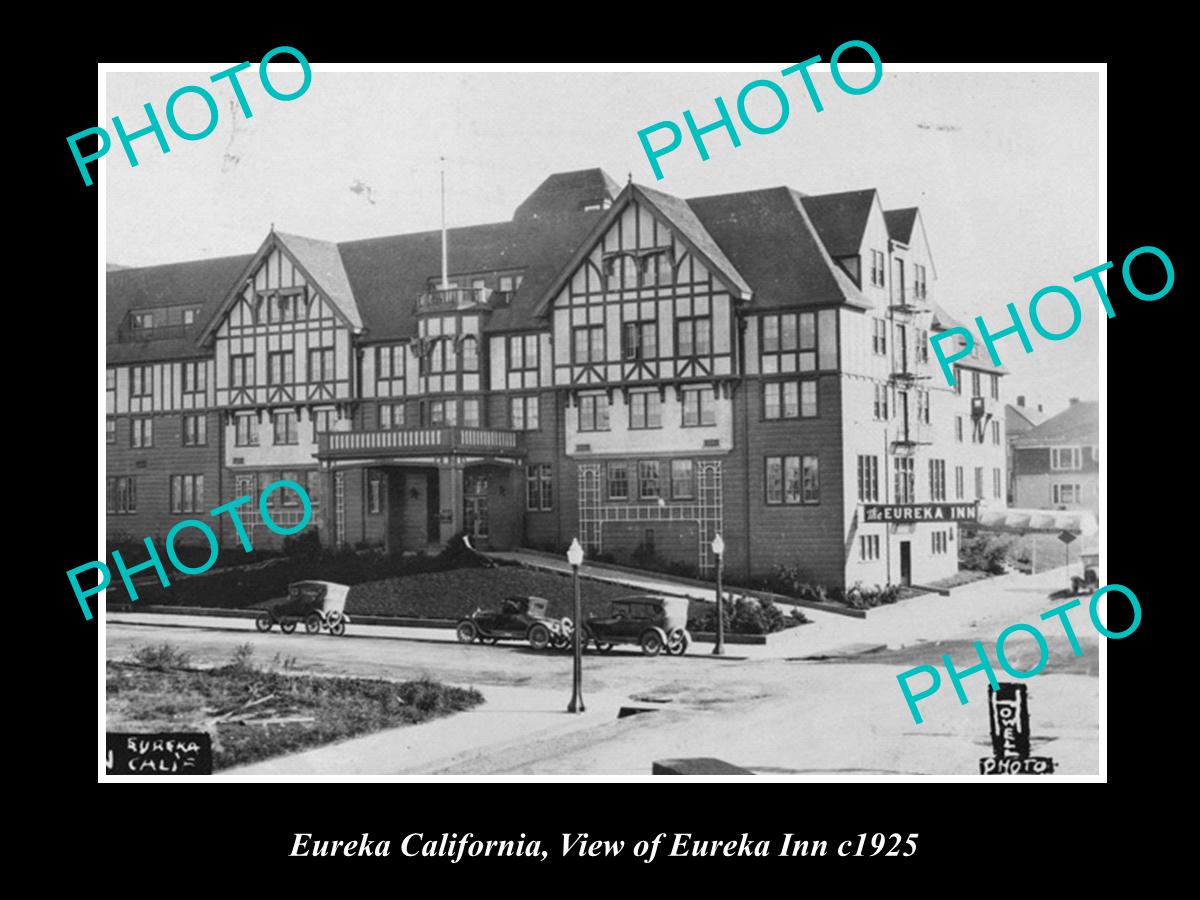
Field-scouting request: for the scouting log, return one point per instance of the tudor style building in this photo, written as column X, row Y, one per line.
column 621, row 365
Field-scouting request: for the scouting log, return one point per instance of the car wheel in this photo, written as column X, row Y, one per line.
column 651, row 642
column 490, row 641
column 312, row 624
column 264, row 622
column 677, row 642
column 539, row 636
column 287, row 626
column 466, row 632
column 337, row 626
column 603, row 648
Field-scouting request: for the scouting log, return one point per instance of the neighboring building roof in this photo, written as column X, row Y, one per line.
column 900, row 223
column 1019, row 419
column 840, row 219
column 1079, row 423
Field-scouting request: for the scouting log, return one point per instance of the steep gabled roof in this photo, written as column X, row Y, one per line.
column 564, row 193
column 683, row 219
column 840, row 219
column 323, row 263
column 900, row 223
column 1079, row 423
column 1020, row 419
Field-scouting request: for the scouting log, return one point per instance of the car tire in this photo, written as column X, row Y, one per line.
column 287, row 626
column 539, row 636
column 652, row 642
column 312, row 624
column 603, row 648
column 337, row 626
column 466, row 632
column 677, row 642
column 264, row 622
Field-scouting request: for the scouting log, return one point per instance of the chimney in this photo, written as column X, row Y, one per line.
column 1074, row 400
column 1021, row 400
column 1040, row 408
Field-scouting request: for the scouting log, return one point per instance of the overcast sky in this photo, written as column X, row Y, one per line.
column 1003, row 166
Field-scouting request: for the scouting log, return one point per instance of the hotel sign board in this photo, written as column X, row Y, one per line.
column 920, row 512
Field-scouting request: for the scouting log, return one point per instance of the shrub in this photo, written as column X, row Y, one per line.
column 304, row 544
column 746, row 615
column 162, row 657
column 983, row 552
column 243, row 659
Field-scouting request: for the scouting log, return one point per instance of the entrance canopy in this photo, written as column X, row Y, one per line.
column 1050, row 521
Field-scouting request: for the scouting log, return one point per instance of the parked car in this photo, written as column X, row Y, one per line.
column 1090, row 580
column 318, row 604
column 654, row 623
column 519, row 618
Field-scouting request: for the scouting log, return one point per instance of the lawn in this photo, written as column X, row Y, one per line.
column 256, row 712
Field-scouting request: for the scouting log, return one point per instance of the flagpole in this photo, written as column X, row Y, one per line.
column 445, row 278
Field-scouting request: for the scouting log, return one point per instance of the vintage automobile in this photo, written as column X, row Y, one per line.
column 1090, row 580
column 519, row 618
column 654, row 623
column 318, row 604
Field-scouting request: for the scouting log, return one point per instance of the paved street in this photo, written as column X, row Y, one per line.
column 765, row 708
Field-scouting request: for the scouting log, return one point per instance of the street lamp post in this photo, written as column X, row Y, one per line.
column 718, row 549
column 575, row 558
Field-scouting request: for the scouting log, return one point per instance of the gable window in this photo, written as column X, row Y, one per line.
column 878, row 267
column 699, row 407
column 189, row 317
column 320, row 365
column 391, row 416
column 618, row 480
column 868, row 479
column 693, row 336
column 879, row 337
column 649, row 484
column 187, row 493
column 919, row 283
column 523, row 413
column 122, row 495
column 141, row 433
column 905, row 479
column 792, row 480
column 639, row 340
column 509, row 283
column 195, row 430
column 656, row 268
column 389, row 363
column 141, row 381
column 194, row 377
column 1066, row 458
column 279, row 306
column 683, row 479
column 281, row 368
column 241, row 370
column 645, row 410
column 246, row 433
column 588, row 344
column 593, row 412
column 523, row 353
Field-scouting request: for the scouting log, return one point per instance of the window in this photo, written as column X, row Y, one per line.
column 189, row 316
column 922, row 345
column 996, row 432
column 959, row 490
column 470, row 412
column 141, row 320
column 141, row 433
column 509, row 283
column 110, row 391
column 976, row 387
column 440, row 412
column 523, row 353
column 693, row 336
column 241, row 370
column 656, row 268
column 868, row 478
column 905, row 479
column 878, row 267
column 194, row 377
column 285, row 427
column 389, row 363
column 375, row 488
column 939, row 542
column 320, row 365
column 649, row 486
column 589, row 344
column 195, row 430
column 937, row 479
column 278, row 306
column 699, row 407
column 280, row 367
column 798, row 342
column 958, row 380
column 247, row 430
column 1066, row 458
column 621, row 270
column 539, row 494
column 789, row 399
column 792, row 480
column 881, row 403
column 593, row 412
column 391, row 416
column 995, row 482
column 879, row 337
column 122, row 495
column 323, row 419
column 979, row 482
column 958, row 428
column 645, row 410
column 618, row 480
column 439, row 356
column 470, row 354
column 995, row 379
column 110, row 431
column 1066, row 493
column 639, row 340
column 868, row 547
column 923, row 406
column 523, row 413
column 141, row 381
column 187, row 493
column 312, row 483
column 919, row 283
column 683, row 479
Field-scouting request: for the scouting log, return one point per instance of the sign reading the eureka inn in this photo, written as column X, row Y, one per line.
column 921, row 512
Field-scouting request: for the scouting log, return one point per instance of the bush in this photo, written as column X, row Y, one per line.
column 304, row 544
column 747, row 615
column 861, row 597
column 983, row 552
column 162, row 657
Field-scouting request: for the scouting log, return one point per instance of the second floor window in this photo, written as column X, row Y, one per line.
column 920, row 289
column 281, row 368
column 391, row 416
column 389, row 363
column 122, row 495
column 645, row 410
column 868, row 479
column 320, row 365
column 195, row 430
column 693, row 336
column 639, row 340
column 141, row 381
column 241, row 370
column 937, row 479
column 879, row 337
column 593, row 412
column 285, row 428
column 699, row 407
column 523, row 352
column 789, row 399
column 905, row 481
column 194, row 377
column 588, row 344
column 246, row 434
column 1066, row 458
column 523, row 413
column 141, row 433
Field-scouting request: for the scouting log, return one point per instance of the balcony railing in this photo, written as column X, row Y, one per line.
column 420, row 442
column 452, row 298
column 909, row 370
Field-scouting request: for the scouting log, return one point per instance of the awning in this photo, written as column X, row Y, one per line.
column 1049, row 521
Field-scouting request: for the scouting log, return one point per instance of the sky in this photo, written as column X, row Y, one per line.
column 1004, row 166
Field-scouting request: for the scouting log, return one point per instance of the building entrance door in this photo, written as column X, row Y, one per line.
column 906, row 563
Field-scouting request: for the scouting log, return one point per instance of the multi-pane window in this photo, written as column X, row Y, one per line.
column 440, row 412
column 923, row 406
column 110, row 391
column 649, row 483
column 656, row 268
column 792, row 480
column 189, row 316
column 920, row 288
column 639, row 340
column 539, row 484
column 798, row 342
column 285, row 427
column 693, row 336
column 879, row 337
column 194, row 377
column 122, row 495
column 320, row 365
column 509, row 283
column 789, row 399
column 323, row 419
column 976, row 384
column 645, row 410
column 439, row 357
column 905, row 479
column 1065, row 493
column 246, row 430
column 621, row 271
column 1066, row 458
column 241, row 370
column 195, row 430
column 588, row 344
column 141, row 432
column 286, row 497
column 868, row 547
column 593, row 412
column 141, row 381
column 922, row 349
column 187, row 493
column 110, row 430
column 618, row 480
column 391, row 416
column 878, row 267
column 375, row 490
column 312, row 483
column 699, row 407
column 979, row 482
column 523, row 352
column 958, row 380
column 683, row 479
column 389, row 363
column 996, row 482
column 881, row 403
column 278, row 306
column 996, row 432
column 523, row 413
column 141, row 320
column 959, row 489
column 469, row 354
column 471, row 413
column 868, row 479
column 937, row 479
column 995, row 380
column 938, row 542
column 958, row 428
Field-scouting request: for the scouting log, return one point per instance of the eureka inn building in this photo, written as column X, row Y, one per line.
column 613, row 363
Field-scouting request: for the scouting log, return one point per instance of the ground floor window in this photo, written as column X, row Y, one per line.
column 868, row 547
column 539, row 488
column 683, row 479
column 122, row 495
column 792, row 480
column 1066, row 493
column 649, row 484
column 979, row 482
column 995, row 482
column 187, row 493
column 375, row 483
column 618, row 480
column 940, row 542
column 959, row 489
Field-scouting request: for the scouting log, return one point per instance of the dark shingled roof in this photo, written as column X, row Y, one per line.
column 1019, row 419
column 840, row 218
column 1079, row 423
column 564, row 193
column 683, row 219
column 900, row 223
column 323, row 262
column 774, row 245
